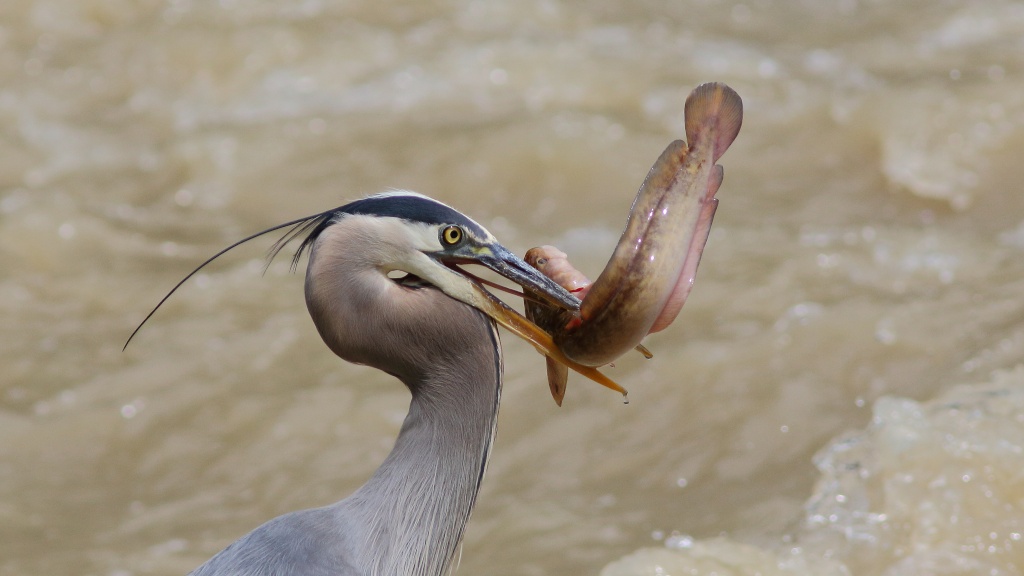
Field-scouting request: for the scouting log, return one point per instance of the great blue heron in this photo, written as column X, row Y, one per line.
column 434, row 329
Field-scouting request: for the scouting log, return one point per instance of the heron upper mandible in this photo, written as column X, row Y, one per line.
column 434, row 329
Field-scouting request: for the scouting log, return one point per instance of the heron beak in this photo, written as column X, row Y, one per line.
column 504, row 262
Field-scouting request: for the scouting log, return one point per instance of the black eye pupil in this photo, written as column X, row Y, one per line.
column 452, row 234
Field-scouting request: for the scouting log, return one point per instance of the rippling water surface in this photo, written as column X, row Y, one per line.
column 841, row 394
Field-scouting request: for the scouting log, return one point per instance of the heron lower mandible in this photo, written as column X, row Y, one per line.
column 434, row 329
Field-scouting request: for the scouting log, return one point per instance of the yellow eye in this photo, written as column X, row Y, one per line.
column 451, row 235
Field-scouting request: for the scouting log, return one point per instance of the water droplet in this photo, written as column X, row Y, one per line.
column 498, row 77
column 66, row 231
column 183, row 197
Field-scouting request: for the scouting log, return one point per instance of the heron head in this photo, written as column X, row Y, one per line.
column 430, row 242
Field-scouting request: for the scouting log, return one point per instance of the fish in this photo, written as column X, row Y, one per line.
column 654, row 265
column 555, row 264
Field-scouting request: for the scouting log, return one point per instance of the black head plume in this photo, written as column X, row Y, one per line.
column 316, row 223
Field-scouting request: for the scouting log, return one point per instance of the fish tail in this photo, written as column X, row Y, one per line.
column 713, row 110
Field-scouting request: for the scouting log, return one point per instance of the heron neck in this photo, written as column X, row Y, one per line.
column 423, row 493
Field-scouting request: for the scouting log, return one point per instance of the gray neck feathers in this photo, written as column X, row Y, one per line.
column 414, row 509
column 408, row 519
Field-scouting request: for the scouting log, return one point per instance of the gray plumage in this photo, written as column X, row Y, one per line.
column 409, row 517
column 431, row 330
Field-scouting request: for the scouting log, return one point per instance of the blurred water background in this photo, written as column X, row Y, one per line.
column 842, row 394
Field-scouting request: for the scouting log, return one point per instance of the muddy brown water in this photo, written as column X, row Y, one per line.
column 860, row 297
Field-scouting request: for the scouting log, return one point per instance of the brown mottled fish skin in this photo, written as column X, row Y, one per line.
column 651, row 271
